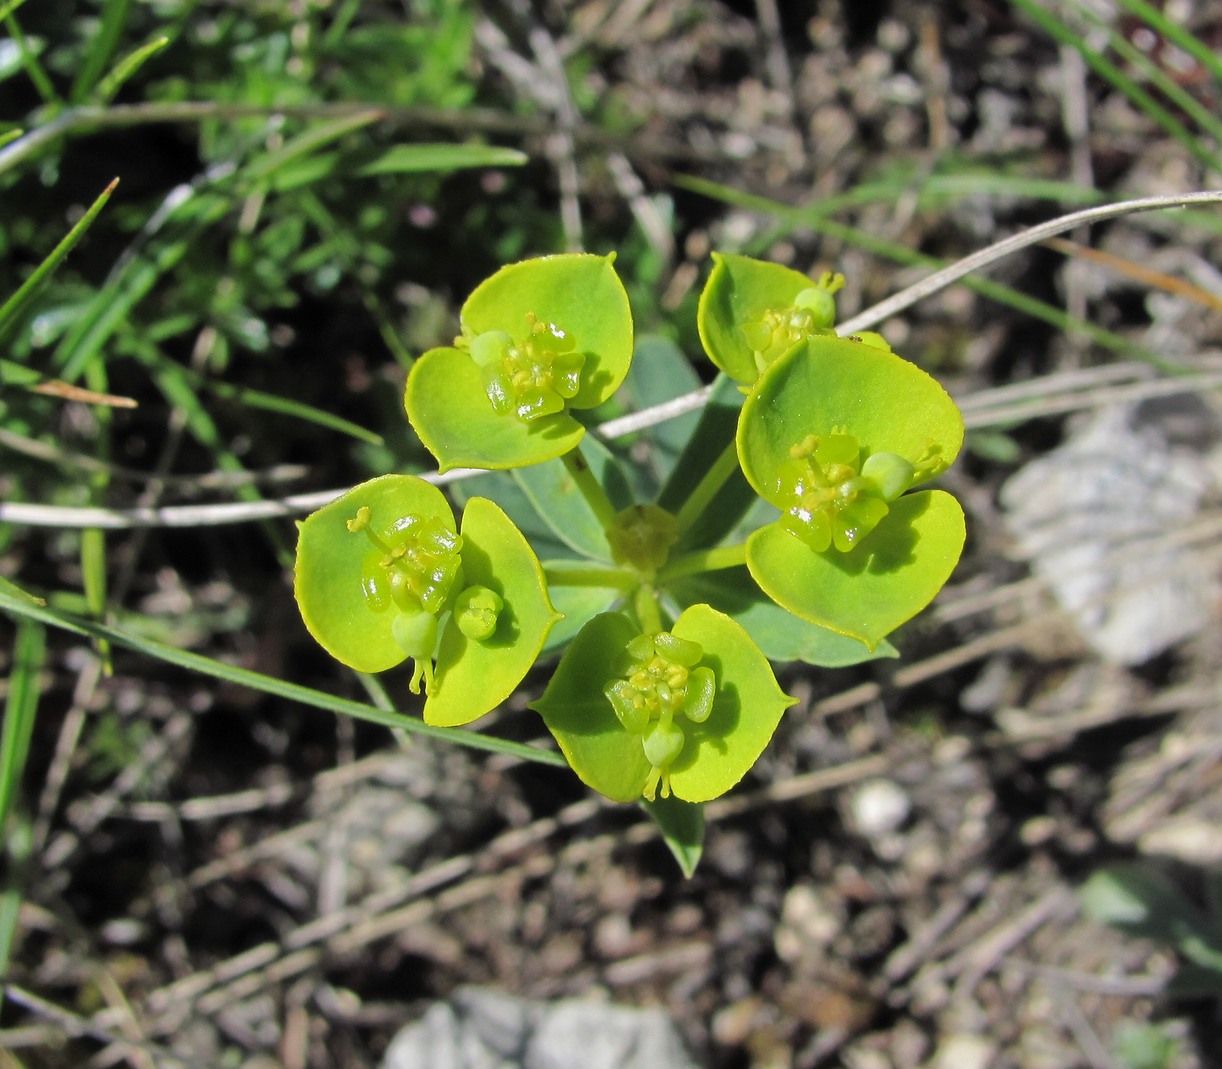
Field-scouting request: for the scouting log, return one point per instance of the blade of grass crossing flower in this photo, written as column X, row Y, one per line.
column 12, row 308
column 29, row 652
column 244, row 677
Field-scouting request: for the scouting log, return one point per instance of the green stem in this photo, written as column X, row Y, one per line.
column 712, row 481
column 591, row 489
column 616, row 578
column 647, row 610
column 704, row 560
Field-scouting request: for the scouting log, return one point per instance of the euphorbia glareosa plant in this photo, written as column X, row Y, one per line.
column 801, row 529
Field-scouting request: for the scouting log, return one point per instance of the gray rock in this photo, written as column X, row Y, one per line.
column 482, row 1029
column 1097, row 518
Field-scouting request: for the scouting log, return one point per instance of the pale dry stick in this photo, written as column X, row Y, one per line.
column 562, row 144
column 1084, row 1034
column 1099, row 398
column 191, row 988
column 372, row 926
column 1205, row 530
column 383, row 914
column 776, row 60
column 907, row 958
column 87, row 682
column 244, row 512
column 1183, row 699
column 260, row 798
column 60, row 848
column 1057, row 382
column 1075, row 115
column 1121, row 986
column 77, row 1027
column 999, row 250
column 980, row 410
column 656, row 229
column 982, row 955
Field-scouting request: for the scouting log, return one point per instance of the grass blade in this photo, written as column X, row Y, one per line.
column 28, row 59
column 29, row 652
column 1114, row 76
column 102, row 47
column 279, row 688
column 1176, row 34
column 126, row 67
column 12, row 308
column 416, row 159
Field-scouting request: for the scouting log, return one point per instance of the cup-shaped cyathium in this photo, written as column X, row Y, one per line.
column 384, row 575
column 539, row 339
column 835, row 434
column 684, row 712
column 752, row 311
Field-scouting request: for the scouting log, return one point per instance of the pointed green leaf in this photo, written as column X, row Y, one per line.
column 564, row 508
column 887, row 579
column 473, row 677
column 682, row 827
column 414, row 159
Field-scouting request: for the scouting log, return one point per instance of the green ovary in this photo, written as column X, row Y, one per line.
column 830, row 498
column 533, row 377
column 663, row 682
column 409, row 569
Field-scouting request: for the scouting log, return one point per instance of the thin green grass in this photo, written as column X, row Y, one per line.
column 21, row 707
column 243, row 677
column 1061, row 31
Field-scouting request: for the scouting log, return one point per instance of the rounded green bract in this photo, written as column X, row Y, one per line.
column 752, row 311
column 382, row 576
column 834, row 434
column 539, row 338
column 682, row 713
column 351, row 590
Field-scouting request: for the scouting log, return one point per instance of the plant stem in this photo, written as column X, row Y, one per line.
column 712, row 481
column 647, row 610
column 616, row 578
column 591, row 489
column 704, row 560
